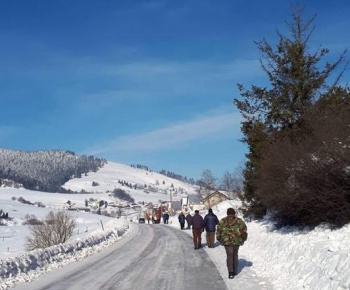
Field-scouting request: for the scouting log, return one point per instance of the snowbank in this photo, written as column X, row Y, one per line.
column 294, row 259
column 28, row 266
column 286, row 258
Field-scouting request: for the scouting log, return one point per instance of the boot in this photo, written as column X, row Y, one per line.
column 231, row 275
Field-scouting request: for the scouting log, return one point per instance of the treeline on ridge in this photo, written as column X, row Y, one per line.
column 177, row 176
column 166, row 173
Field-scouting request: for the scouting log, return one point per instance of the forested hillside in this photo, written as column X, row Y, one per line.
column 45, row 170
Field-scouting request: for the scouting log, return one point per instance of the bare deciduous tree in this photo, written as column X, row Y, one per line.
column 208, row 179
column 232, row 182
column 56, row 228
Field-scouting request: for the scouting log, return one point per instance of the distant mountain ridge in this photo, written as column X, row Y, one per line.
column 45, row 170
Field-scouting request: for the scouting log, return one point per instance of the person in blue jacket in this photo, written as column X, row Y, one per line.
column 182, row 220
column 210, row 222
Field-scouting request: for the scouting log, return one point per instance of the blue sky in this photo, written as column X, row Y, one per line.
column 148, row 82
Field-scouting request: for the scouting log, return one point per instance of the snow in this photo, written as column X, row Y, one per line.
column 12, row 237
column 271, row 258
column 287, row 258
column 31, row 265
column 293, row 259
column 108, row 176
column 17, row 265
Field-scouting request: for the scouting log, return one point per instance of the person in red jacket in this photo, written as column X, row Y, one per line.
column 197, row 229
column 148, row 217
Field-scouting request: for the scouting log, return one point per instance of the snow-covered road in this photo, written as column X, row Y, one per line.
column 151, row 257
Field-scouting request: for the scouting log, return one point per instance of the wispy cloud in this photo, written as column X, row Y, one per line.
column 173, row 136
column 151, row 68
column 158, row 80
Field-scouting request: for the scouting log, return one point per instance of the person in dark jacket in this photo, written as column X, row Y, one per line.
column 197, row 229
column 189, row 220
column 210, row 222
column 166, row 218
column 182, row 220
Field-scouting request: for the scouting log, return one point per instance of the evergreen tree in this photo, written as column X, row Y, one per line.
column 297, row 80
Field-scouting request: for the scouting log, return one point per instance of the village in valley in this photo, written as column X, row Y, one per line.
column 175, row 200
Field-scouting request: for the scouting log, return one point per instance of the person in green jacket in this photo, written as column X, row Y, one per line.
column 231, row 233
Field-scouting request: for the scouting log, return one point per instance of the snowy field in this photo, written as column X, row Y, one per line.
column 16, row 265
column 13, row 235
column 108, row 176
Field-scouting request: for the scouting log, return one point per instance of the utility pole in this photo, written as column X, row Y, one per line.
column 171, row 200
column 161, row 212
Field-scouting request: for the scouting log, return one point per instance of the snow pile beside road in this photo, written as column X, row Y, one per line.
column 28, row 266
column 294, row 259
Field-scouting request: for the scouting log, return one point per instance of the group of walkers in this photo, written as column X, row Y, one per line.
column 198, row 225
column 230, row 231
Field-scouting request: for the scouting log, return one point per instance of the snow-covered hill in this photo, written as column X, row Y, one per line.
column 151, row 186
column 45, row 170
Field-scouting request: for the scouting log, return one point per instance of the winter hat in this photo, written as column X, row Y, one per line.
column 231, row 211
column 210, row 210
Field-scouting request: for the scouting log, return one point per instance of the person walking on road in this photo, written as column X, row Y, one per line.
column 197, row 229
column 182, row 220
column 166, row 219
column 189, row 220
column 148, row 217
column 231, row 233
column 210, row 222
